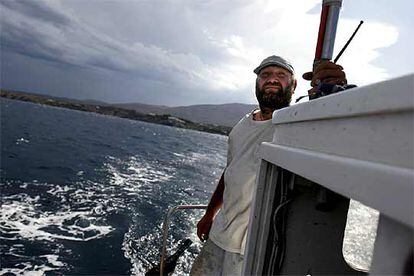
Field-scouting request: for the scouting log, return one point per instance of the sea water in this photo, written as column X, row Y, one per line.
column 83, row 193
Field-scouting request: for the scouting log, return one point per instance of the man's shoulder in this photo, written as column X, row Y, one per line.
column 246, row 118
column 242, row 122
column 247, row 126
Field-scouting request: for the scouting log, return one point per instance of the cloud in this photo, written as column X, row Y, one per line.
column 365, row 49
column 184, row 52
column 64, row 39
column 39, row 10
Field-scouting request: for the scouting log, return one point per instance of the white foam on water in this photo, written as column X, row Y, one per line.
column 97, row 198
column 81, row 208
column 21, row 217
column 53, row 259
column 186, row 260
column 144, row 251
column 131, row 174
column 197, row 158
column 22, row 141
column 29, row 269
column 23, row 185
column 178, row 154
column 59, row 190
column 136, row 173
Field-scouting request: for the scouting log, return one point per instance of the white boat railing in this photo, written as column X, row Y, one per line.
column 166, row 225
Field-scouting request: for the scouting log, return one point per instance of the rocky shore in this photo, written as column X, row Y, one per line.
column 164, row 119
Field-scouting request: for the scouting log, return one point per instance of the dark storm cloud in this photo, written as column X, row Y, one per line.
column 38, row 31
column 176, row 50
column 37, row 10
column 169, row 52
column 21, row 39
column 20, row 35
column 41, row 31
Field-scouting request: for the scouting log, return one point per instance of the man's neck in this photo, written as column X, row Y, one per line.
column 263, row 114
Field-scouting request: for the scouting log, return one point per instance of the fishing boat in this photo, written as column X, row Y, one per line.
column 357, row 144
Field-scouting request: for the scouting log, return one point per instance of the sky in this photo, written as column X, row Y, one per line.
column 186, row 52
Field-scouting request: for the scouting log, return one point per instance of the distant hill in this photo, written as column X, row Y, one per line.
column 220, row 114
column 65, row 99
column 144, row 108
column 111, row 110
column 215, row 114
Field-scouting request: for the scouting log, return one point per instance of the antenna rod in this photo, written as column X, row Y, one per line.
column 347, row 43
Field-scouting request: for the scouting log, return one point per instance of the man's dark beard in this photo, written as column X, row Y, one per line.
column 275, row 100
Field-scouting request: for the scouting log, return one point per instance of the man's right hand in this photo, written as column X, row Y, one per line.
column 204, row 226
column 216, row 201
column 326, row 72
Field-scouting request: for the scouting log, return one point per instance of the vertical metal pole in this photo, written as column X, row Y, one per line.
column 330, row 32
column 327, row 30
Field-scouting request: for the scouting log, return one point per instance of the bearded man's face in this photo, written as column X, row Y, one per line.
column 274, row 87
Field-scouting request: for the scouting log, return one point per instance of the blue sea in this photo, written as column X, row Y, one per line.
column 83, row 193
column 86, row 194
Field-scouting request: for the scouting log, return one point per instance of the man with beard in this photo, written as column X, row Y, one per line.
column 224, row 225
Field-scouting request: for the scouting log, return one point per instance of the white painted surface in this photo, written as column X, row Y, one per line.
column 388, row 189
column 359, row 143
column 384, row 97
column 383, row 138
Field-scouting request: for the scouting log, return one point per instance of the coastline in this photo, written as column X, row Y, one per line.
column 164, row 119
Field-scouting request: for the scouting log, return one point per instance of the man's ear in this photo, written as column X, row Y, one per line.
column 295, row 83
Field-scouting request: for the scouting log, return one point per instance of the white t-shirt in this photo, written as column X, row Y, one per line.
column 229, row 229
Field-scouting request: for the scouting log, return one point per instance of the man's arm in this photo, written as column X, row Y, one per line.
column 216, row 201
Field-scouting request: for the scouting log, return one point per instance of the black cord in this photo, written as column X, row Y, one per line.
column 279, row 226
